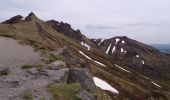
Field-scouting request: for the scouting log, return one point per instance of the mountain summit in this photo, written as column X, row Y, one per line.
column 52, row 60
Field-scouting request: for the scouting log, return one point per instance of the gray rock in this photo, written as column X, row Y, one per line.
column 84, row 78
column 33, row 71
column 59, row 51
column 59, row 76
column 56, row 65
column 8, row 83
column 84, row 95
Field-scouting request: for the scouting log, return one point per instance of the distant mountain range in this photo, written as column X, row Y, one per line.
column 162, row 47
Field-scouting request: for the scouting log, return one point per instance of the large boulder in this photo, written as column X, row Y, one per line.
column 84, row 78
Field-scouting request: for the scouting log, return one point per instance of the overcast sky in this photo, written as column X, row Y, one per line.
column 147, row 21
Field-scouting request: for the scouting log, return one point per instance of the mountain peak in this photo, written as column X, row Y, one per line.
column 12, row 20
column 31, row 16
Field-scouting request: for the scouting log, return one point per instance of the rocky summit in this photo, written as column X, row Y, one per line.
column 49, row 60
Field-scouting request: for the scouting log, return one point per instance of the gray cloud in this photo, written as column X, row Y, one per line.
column 144, row 20
column 99, row 27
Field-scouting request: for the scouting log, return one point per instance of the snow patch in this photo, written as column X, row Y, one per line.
column 101, row 41
column 114, row 48
column 156, row 84
column 107, row 51
column 143, row 62
column 100, row 63
column 117, row 40
column 122, row 68
column 123, row 41
column 92, row 59
column 137, row 56
column 86, row 45
column 125, row 51
column 95, row 40
column 104, row 85
column 85, row 55
column 122, row 50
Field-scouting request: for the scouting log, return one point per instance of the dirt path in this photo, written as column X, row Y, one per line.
column 14, row 54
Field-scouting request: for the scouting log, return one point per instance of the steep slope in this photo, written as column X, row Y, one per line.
column 138, row 56
column 128, row 83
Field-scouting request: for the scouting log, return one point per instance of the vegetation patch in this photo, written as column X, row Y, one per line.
column 64, row 91
column 51, row 58
column 27, row 95
column 31, row 66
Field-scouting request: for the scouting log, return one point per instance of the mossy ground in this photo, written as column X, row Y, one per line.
column 30, row 66
column 64, row 91
column 27, row 95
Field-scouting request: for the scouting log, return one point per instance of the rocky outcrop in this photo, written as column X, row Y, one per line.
column 15, row 19
column 66, row 29
column 84, row 77
column 31, row 16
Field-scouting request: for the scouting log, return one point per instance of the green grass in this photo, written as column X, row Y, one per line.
column 52, row 58
column 27, row 95
column 64, row 91
column 30, row 66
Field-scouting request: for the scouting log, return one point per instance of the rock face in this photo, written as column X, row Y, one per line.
column 83, row 77
column 136, row 55
column 15, row 19
column 66, row 29
column 30, row 17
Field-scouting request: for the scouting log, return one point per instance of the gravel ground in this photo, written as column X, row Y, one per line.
column 14, row 54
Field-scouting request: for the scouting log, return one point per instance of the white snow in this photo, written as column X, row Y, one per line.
column 95, row 39
column 92, row 59
column 122, row 50
column 101, row 41
column 104, row 85
column 125, row 51
column 143, row 62
column 156, row 84
column 107, row 51
column 100, row 63
column 86, row 45
column 117, row 40
column 85, row 55
column 137, row 56
column 122, row 68
column 123, row 41
column 114, row 48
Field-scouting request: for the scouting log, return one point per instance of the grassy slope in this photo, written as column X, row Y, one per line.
column 130, row 85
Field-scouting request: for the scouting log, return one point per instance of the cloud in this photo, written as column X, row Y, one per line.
column 100, row 16
column 100, row 27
